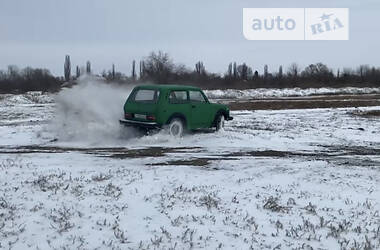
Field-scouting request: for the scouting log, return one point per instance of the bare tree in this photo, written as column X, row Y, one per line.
column 229, row 70
column 67, row 68
column 293, row 70
column 347, row 72
column 235, row 71
column 266, row 71
column 88, row 67
column 158, row 67
column 318, row 73
column 3, row 75
column 200, row 68
column 78, row 72
column 142, row 69
column 256, row 75
column 134, row 70
column 280, row 73
column 244, row 72
column 363, row 70
column 13, row 72
column 315, row 69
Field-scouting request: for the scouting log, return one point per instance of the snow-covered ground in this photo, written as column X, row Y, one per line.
column 287, row 179
column 287, row 92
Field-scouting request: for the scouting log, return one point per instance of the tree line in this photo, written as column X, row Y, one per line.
column 15, row 80
column 158, row 67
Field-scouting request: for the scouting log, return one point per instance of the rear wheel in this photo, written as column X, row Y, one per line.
column 220, row 122
column 176, row 127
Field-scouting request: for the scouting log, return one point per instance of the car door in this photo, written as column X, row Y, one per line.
column 178, row 103
column 200, row 110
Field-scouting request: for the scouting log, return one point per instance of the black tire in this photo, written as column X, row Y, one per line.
column 176, row 127
column 219, row 122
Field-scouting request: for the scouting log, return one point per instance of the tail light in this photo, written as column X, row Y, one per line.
column 151, row 117
column 128, row 115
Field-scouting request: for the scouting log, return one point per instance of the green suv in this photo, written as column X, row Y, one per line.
column 175, row 107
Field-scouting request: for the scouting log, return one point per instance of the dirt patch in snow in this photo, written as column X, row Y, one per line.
column 341, row 101
column 112, row 152
column 368, row 114
column 200, row 162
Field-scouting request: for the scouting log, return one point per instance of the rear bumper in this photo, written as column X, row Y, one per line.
column 139, row 124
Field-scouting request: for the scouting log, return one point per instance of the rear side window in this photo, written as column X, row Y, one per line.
column 196, row 96
column 179, row 96
column 146, row 95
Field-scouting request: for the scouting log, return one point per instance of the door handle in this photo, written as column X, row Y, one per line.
column 193, row 106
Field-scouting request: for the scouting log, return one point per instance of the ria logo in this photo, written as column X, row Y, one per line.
column 327, row 24
column 296, row 24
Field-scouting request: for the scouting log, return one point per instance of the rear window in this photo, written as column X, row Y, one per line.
column 146, row 95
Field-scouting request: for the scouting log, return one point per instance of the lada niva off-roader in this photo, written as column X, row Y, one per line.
column 176, row 107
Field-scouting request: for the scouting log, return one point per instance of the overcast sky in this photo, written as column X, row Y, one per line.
column 39, row 33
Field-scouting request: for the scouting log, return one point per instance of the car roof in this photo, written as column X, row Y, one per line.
column 167, row 87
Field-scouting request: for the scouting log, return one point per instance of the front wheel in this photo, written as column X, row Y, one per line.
column 176, row 127
column 220, row 123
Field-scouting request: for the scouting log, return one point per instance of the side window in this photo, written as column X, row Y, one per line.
column 178, row 96
column 196, row 96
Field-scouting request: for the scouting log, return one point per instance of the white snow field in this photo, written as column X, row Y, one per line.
column 71, row 178
column 286, row 92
